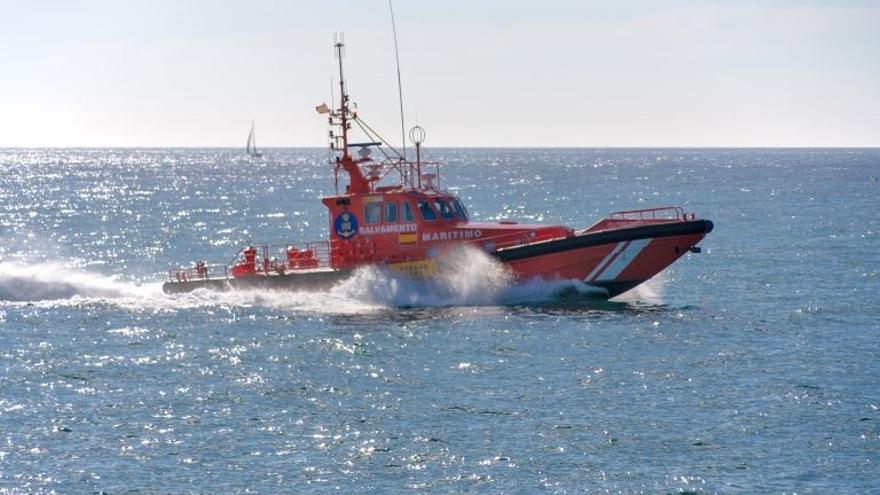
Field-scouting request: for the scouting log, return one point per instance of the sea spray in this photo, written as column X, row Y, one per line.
column 471, row 276
column 465, row 276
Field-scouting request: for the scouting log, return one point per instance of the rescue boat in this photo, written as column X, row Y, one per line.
column 394, row 213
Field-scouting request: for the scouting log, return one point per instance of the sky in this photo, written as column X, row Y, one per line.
column 482, row 73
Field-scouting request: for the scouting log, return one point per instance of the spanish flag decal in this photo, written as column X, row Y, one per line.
column 407, row 238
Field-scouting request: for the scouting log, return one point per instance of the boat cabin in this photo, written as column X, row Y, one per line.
column 398, row 225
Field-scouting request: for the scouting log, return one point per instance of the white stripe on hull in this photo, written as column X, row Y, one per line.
column 608, row 270
column 604, row 262
column 619, row 265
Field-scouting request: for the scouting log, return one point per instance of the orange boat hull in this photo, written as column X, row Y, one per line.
column 615, row 261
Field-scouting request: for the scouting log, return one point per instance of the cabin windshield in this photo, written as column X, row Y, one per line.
column 443, row 207
column 426, row 211
column 458, row 208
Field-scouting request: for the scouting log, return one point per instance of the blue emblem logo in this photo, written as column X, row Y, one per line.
column 346, row 225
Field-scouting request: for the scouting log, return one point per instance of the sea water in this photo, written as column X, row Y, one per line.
column 753, row 367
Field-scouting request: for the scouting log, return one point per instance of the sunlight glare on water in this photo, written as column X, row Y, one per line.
column 749, row 368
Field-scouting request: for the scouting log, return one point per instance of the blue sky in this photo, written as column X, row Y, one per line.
column 476, row 73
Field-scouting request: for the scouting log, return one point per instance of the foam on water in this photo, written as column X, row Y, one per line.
column 466, row 276
column 649, row 292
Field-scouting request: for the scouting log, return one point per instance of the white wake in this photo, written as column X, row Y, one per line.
column 59, row 281
column 466, row 277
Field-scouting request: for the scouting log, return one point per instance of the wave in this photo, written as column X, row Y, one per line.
column 466, row 276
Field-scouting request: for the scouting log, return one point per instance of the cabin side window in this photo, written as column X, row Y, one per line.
column 426, row 211
column 373, row 213
column 408, row 215
column 391, row 212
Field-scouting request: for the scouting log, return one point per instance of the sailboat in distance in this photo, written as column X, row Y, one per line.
column 252, row 150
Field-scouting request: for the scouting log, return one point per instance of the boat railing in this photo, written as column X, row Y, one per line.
column 201, row 271
column 661, row 213
column 413, row 174
column 268, row 259
column 283, row 257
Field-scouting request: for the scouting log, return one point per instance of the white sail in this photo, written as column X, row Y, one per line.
column 251, row 141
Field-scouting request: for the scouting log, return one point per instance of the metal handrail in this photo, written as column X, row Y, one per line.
column 649, row 214
column 407, row 167
column 203, row 272
column 320, row 252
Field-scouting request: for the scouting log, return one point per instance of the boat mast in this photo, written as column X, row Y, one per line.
column 343, row 105
column 254, row 137
column 357, row 183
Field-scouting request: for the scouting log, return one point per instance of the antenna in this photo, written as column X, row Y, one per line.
column 417, row 136
column 399, row 84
